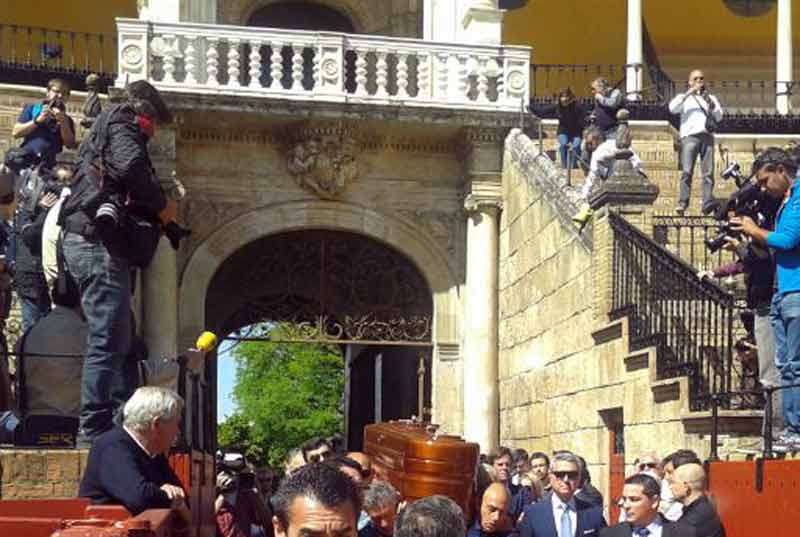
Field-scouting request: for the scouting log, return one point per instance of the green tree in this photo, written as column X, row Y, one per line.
column 286, row 393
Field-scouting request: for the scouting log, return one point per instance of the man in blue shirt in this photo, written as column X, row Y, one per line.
column 45, row 126
column 776, row 174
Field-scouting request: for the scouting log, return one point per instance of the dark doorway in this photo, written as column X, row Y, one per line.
column 301, row 16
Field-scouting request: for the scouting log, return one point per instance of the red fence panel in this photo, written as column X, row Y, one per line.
column 747, row 511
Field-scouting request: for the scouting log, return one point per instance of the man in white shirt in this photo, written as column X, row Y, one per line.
column 697, row 107
column 604, row 153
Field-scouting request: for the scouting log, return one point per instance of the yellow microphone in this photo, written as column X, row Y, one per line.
column 206, row 342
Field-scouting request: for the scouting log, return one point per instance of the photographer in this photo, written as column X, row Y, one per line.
column 101, row 256
column 45, row 126
column 776, row 174
column 700, row 112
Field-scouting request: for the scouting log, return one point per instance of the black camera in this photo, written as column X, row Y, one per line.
column 749, row 201
column 734, row 171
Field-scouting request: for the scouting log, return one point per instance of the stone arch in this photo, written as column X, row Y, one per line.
column 239, row 11
column 258, row 223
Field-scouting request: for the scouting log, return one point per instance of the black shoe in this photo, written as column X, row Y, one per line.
column 710, row 207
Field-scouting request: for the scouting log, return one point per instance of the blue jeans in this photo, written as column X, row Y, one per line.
column 569, row 158
column 105, row 285
column 34, row 309
column 785, row 317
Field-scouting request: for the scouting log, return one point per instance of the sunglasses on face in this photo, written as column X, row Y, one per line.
column 651, row 465
column 564, row 476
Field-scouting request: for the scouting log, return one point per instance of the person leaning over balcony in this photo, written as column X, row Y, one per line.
column 700, row 112
column 604, row 153
column 607, row 102
column 777, row 174
column 128, row 465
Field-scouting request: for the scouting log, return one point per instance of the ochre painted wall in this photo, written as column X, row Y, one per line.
column 570, row 31
column 96, row 16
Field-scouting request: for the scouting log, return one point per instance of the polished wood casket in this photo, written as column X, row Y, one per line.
column 420, row 462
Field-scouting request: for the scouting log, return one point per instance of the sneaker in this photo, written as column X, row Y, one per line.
column 787, row 443
column 583, row 216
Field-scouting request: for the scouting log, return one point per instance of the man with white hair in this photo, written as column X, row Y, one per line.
column 128, row 465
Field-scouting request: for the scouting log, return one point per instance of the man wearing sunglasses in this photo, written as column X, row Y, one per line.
column 561, row 514
column 700, row 112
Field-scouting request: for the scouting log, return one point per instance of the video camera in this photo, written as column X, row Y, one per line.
column 235, row 465
column 748, row 201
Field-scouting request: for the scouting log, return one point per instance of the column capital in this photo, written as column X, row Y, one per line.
column 481, row 149
column 484, row 197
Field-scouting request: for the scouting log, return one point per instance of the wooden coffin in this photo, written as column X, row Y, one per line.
column 419, row 462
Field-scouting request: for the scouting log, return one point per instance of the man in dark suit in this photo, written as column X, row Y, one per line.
column 640, row 501
column 688, row 484
column 561, row 514
column 494, row 520
column 128, row 465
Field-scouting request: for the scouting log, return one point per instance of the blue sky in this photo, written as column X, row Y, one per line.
column 226, row 375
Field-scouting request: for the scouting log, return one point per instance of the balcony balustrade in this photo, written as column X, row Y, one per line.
column 323, row 66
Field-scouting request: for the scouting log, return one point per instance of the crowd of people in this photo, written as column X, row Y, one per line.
column 761, row 223
column 74, row 231
column 325, row 491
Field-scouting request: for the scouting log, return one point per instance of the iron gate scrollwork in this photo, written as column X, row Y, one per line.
column 333, row 286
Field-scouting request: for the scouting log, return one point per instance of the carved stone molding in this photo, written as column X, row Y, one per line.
column 483, row 196
column 323, row 157
column 482, row 149
column 442, row 226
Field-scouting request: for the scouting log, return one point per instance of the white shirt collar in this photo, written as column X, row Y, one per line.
column 135, row 439
column 558, row 502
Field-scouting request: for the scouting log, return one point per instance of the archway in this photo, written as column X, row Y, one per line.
column 400, row 235
column 301, row 16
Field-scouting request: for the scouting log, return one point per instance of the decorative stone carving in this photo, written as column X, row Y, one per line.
column 440, row 225
column 323, row 159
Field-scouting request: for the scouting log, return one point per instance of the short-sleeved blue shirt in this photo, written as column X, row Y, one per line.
column 45, row 139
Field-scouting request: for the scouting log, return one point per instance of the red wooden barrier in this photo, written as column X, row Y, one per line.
column 748, row 512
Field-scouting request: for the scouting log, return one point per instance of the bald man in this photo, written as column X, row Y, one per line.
column 688, row 484
column 494, row 519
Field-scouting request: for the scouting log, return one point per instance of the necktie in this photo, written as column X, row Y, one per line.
column 566, row 523
column 642, row 532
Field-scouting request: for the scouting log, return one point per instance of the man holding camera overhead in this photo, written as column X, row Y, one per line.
column 700, row 113
column 45, row 126
column 46, row 129
column 776, row 175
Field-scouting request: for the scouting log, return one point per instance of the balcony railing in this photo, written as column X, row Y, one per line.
column 323, row 66
column 31, row 55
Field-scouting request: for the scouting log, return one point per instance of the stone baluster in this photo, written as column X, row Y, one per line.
column 212, row 61
column 402, row 75
column 462, row 86
column 169, row 59
column 381, row 74
column 297, row 68
column 423, row 76
column 233, row 63
column 255, row 64
column 483, row 80
column 361, row 72
column 443, row 75
column 191, row 61
column 276, row 66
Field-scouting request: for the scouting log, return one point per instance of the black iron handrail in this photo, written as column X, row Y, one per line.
column 686, row 237
column 32, row 55
column 689, row 321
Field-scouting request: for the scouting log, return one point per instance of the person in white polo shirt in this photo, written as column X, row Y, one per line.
column 700, row 113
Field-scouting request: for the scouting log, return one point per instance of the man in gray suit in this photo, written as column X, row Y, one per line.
column 640, row 500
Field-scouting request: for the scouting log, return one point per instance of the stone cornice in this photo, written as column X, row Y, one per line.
column 484, row 196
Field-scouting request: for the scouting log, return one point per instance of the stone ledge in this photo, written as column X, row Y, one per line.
column 610, row 332
column 666, row 390
column 744, row 422
column 636, row 361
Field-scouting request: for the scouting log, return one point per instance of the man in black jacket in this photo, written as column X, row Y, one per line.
column 688, row 484
column 128, row 465
column 640, row 500
column 113, row 156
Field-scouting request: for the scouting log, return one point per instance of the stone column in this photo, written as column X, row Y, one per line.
column 784, row 56
column 482, row 23
column 634, row 57
column 159, row 292
column 483, row 203
column 178, row 10
column 439, row 20
column 625, row 193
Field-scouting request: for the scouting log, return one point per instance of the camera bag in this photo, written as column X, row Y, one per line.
column 711, row 123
